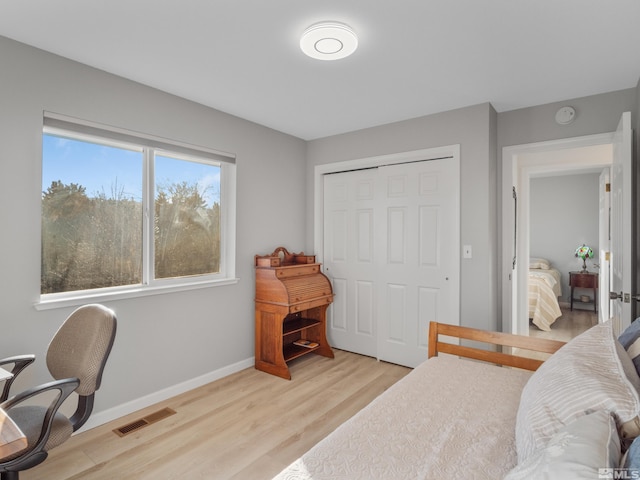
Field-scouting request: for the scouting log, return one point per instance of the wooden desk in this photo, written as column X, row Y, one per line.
column 12, row 440
column 292, row 297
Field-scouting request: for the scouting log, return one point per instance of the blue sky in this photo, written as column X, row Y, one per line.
column 100, row 168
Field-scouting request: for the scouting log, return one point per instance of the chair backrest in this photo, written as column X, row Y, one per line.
column 81, row 346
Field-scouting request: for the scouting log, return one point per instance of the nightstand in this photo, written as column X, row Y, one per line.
column 584, row 280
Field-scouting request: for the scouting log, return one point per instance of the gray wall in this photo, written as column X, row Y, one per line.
column 594, row 114
column 482, row 134
column 474, row 129
column 162, row 340
column 564, row 215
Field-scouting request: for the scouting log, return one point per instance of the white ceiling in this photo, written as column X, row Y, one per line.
column 416, row 57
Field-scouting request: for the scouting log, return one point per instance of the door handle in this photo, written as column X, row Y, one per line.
column 624, row 296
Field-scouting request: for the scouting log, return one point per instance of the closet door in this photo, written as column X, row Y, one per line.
column 391, row 243
column 349, row 260
column 418, row 272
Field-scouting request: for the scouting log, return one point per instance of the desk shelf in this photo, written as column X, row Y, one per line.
column 297, row 324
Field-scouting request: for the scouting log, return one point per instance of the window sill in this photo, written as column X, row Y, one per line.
column 135, row 292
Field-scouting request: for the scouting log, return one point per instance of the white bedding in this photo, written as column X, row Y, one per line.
column 544, row 290
column 449, row 418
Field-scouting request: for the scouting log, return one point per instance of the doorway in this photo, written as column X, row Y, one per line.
column 564, row 214
column 520, row 164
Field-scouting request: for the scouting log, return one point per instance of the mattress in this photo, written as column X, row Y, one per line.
column 448, row 418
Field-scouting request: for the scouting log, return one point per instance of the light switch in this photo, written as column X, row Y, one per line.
column 466, row 251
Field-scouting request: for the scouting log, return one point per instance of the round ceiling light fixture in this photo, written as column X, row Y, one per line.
column 329, row 41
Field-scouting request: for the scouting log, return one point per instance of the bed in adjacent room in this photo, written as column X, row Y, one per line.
column 544, row 290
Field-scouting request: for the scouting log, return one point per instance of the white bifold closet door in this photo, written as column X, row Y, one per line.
column 391, row 250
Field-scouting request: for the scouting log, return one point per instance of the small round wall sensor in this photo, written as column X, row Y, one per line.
column 565, row 115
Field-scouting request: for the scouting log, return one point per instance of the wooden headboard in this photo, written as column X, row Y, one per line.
column 492, row 338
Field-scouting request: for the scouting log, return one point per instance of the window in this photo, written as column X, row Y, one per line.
column 186, row 218
column 123, row 213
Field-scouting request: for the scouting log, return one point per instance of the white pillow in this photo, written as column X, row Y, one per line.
column 578, row 450
column 539, row 263
column 591, row 372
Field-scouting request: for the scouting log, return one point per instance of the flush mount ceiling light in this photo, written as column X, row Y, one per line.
column 329, row 41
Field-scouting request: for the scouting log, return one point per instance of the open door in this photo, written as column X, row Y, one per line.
column 622, row 265
column 604, row 220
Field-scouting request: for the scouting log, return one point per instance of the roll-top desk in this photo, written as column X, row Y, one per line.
column 292, row 296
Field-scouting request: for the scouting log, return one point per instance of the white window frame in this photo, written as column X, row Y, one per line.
column 86, row 131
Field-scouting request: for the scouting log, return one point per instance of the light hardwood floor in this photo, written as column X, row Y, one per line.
column 249, row 425
column 569, row 325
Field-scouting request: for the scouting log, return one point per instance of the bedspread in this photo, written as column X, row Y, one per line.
column 543, row 300
column 448, row 418
column 551, row 275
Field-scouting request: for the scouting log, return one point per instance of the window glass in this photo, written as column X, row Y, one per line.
column 187, row 218
column 116, row 215
column 91, row 215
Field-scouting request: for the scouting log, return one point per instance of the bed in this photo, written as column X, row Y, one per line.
column 445, row 418
column 570, row 416
column 544, row 288
column 399, row 436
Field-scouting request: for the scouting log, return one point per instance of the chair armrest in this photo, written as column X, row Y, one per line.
column 20, row 362
column 65, row 387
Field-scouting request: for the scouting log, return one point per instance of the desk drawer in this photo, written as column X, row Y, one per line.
column 581, row 280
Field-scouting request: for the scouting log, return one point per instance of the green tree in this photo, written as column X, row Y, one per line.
column 65, row 210
column 115, row 241
column 89, row 242
column 96, row 242
column 186, row 231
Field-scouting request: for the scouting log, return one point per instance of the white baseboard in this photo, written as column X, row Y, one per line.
column 100, row 418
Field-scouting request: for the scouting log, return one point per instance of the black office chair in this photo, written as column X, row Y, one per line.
column 76, row 358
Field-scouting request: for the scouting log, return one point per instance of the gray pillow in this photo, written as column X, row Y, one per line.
column 631, row 334
column 630, row 340
column 632, row 457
